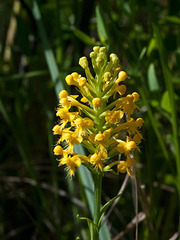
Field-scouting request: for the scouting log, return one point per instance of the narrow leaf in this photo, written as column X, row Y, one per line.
column 101, row 27
column 152, row 45
column 152, row 79
column 165, row 102
column 49, row 55
column 84, row 37
column 104, row 208
column 89, row 221
column 171, row 20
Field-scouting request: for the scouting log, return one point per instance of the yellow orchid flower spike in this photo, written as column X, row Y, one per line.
column 100, row 117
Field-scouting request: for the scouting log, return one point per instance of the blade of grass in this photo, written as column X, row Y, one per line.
column 101, row 27
column 143, row 93
column 25, row 75
column 49, row 55
column 84, row 37
column 154, row 124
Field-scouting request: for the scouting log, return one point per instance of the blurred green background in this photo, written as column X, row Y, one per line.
column 41, row 42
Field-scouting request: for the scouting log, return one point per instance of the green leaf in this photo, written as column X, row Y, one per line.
column 165, row 102
column 89, row 221
column 48, row 52
column 152, row 79
column 84, row 37
column 152, row 45
column 101, row 27
column 104, row 208
column 170, row 19
column 24, row 75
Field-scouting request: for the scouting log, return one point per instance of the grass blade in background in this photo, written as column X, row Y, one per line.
column 84, row 37
column 152, row 79
column 101, row 27
column 51, row 62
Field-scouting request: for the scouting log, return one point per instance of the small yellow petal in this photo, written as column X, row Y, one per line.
column 131, row 145
column 122, row 89
column 135, row 96
column 58, row 150
column 57, row 130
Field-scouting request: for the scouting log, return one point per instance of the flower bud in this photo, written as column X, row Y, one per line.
column 96, row 49
column 107, row 76
column 58, row 150
column 99, row 137
column 83, row 62
column 121, row 77
column 63, row 94
column 75, row 75
column 114, row 58
column 82, row 81
column 96, row 102
column 139, row 122
column 103, row 49
column 70, row 80
column 92, row 55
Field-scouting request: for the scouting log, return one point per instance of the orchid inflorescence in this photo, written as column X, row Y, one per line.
column 102, row 122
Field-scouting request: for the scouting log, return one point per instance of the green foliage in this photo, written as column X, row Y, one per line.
column 40, row 43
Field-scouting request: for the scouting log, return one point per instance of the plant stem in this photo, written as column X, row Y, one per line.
column 97, row 203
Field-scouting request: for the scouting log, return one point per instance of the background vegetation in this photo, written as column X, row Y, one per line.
column 40, row 42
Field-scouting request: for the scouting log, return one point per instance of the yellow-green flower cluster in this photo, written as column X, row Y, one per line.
column 102, row 121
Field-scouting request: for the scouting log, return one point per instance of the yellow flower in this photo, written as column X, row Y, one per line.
column 71, row 162
column 101, row 138
column 67, row 116
column 126, row 166
column 71, row 138
column 81, row 124
column 126, row 147
column 114, row 116
column 97, row 159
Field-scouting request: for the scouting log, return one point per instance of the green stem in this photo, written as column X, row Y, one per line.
column 97, row 203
